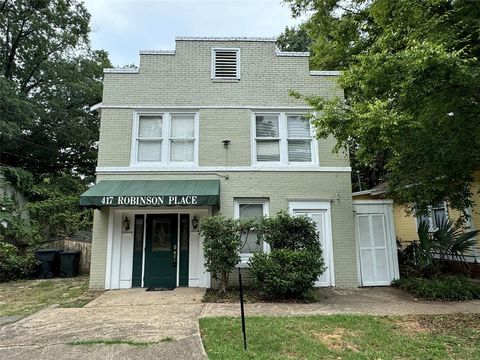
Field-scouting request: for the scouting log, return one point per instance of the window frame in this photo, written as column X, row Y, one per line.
column 212, row 65
column 283, row 141
column 244, row 257
column 432, row 226
column 166, row 140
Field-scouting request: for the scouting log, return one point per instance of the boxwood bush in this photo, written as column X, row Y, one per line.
column 447, row 288
column 295, row 261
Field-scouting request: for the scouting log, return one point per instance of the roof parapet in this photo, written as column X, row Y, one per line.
column 293, row 53
column 216, row 38
column 325, row 73
column 157, row 52
column 120, row 71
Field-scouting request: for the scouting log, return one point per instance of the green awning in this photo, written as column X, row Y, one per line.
column 152, row 193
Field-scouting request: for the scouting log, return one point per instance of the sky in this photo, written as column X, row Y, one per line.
column 124, row 27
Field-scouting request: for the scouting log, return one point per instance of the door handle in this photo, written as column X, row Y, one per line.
column 174, row 255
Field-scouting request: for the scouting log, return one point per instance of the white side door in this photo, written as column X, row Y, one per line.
column 376, row 244
column 319, row 218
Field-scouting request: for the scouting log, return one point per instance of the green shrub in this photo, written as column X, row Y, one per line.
column 14, row 266
column 286, row 273
column 295, row 261
column 221, row 246
column 449, row 288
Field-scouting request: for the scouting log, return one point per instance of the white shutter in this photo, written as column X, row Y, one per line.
column 299, row 151
column 225, row 63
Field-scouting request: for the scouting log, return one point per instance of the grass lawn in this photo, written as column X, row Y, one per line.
column 22, row 298
column 344, row 337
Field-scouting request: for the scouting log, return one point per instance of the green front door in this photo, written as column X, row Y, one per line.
column 161, row 251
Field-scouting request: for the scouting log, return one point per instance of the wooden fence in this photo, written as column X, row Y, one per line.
column 84, row 247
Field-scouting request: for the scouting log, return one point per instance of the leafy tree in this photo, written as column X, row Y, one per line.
column 49, row 77
column 412, row 82
column 294, row 39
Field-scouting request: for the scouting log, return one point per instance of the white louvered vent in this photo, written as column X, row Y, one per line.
column 226, row 64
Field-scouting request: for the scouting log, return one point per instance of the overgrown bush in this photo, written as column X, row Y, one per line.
column 295, row 261
column 13, row 265
column 221, row 245
column 449, row 288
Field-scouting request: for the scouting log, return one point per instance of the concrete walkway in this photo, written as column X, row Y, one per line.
column 167, row 319
column 373, row 301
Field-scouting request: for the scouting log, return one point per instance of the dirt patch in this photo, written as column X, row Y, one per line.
column 336, row 340
column 412, row 326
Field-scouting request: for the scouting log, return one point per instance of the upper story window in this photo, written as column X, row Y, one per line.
column 166, row 138
column 283, row 138
column 225, row 64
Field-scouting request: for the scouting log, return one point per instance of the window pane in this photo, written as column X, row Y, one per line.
column 439, row 216
column 182, row 126
column 150, row 127
column 250, row 211
column 252, row 244
column 299, row 150
column 267, row 125
column 161, row 235
column 298, row 126
column 268, row 150
column 149, row 150
column 181, row 150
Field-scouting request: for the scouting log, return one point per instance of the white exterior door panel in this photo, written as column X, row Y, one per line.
column 378, row 264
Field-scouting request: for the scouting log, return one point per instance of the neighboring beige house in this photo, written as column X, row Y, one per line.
column 406, row 223
column 209, row 128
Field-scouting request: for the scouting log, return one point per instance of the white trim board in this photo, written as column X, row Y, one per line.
column 219, row 169
column 197, row 107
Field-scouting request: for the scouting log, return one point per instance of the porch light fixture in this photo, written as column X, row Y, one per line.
column 195, row 222
column 126, row 223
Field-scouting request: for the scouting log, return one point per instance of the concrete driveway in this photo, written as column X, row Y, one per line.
column 166, row 319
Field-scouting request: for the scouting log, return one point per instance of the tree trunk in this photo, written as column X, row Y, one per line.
column 224, row 282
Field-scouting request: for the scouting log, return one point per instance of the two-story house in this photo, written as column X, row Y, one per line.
column 210, row 128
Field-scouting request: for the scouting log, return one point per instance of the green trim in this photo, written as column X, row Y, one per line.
column 152, row 193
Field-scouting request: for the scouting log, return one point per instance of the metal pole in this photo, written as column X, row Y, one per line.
column 242, row 311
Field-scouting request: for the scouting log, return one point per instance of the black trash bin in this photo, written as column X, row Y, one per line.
column 69, row 261
column 48, row 267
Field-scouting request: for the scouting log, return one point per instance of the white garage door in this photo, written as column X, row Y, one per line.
column 376, row 243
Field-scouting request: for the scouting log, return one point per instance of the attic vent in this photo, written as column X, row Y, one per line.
column 226, row 64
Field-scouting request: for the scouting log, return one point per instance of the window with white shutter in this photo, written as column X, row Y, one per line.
column 299, row 139
column 283, row 139
column 267, row 138
column 149, row 139
column 182, row 138
column 226, row 64
column 166, row 138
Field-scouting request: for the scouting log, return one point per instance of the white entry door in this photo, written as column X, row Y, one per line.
column 376, row 244
column 319, row 217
